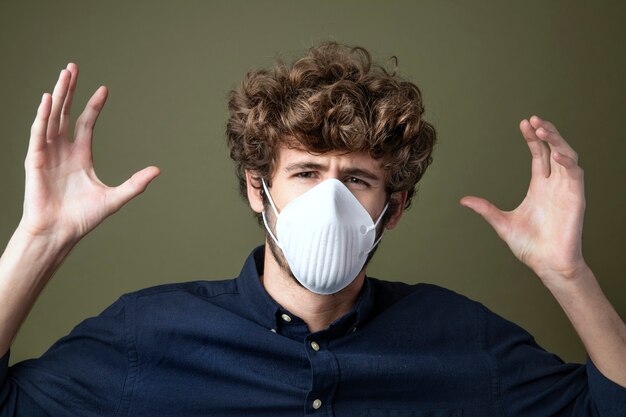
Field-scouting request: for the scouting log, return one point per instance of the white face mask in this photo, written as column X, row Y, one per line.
column 325, row 235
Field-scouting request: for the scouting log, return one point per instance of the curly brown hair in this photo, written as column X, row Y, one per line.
column 332, row 99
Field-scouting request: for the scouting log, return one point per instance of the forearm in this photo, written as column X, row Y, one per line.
column 26, row 266
column 598, row 325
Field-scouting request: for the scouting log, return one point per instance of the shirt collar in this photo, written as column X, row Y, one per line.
column 260, row 305
column 267, row 312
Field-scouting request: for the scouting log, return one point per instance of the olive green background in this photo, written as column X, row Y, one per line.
column 482, row 67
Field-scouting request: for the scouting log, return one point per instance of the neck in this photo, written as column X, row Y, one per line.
column 318, row 311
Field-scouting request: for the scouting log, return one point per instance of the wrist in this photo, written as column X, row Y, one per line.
column 45, row 246
column 565, row 280
column 50, row 239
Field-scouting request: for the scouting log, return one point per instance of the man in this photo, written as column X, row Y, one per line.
column 329, row 151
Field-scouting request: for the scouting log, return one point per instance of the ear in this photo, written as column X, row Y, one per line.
column 254, row 188
column 398, row 199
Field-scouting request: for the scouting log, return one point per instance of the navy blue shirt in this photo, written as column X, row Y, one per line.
column 226, row 348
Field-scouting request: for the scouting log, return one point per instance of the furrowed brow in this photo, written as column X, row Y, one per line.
column 314, row 166
column 303, row 166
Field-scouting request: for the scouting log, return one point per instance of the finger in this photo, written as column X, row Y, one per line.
column 548, row 133
column 58, row 98
column 538, row 122
column 572, row 168
column 540, row 165
column 557, row 143
column 132, row 187
column 492, row 215
column 40, row 125
column 67, row 106
column 83, row 133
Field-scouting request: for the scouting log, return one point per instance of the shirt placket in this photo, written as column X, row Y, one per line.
column 323, row 363
column 324, row 374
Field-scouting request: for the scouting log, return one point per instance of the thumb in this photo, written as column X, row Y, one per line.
column 492, row 215
column 132, row 187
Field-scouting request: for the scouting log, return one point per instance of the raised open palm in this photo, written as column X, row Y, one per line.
column 545, row 230
column 63, row 196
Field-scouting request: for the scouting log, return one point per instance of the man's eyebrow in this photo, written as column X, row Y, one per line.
column 303, row 166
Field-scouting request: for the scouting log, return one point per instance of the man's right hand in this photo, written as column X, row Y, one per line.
column 64, row 199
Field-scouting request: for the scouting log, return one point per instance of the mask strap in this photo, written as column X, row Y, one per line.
column 269, row 231
column 381, row 214
column 378, row 240
column 267, row 227
column 269, row 196
column 376, row 224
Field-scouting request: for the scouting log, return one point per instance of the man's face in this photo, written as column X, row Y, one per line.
column 297, row 171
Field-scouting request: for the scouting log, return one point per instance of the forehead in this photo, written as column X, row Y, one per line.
column 289, row 156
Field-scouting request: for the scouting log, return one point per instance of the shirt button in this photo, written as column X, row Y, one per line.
column 273, row 330
column 315, row 346
column 317, row 404
column 286, row 318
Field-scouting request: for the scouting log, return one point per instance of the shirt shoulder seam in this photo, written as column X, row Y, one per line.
column 178, row 287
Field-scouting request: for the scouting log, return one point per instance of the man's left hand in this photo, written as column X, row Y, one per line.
column 545, row 230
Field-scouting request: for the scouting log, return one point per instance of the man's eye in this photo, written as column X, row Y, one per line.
column 355, row 180
column 307, row 174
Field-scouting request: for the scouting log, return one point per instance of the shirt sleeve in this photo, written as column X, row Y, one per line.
column 532, row 382
column 86, row 373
